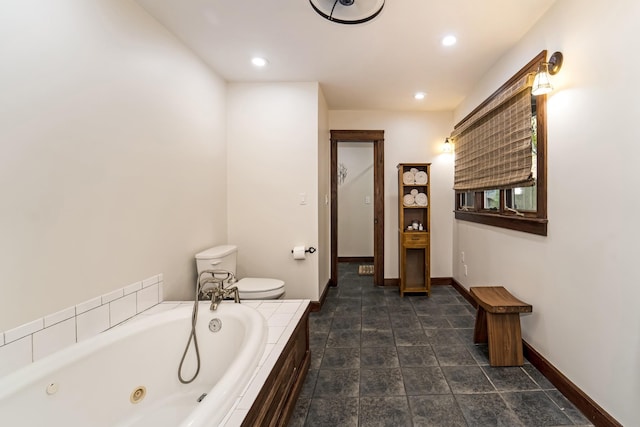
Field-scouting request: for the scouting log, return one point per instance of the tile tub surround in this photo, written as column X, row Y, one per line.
column 282, row 318
column 32, row 341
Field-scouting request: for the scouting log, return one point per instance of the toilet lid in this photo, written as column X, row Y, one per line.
column 254, row 284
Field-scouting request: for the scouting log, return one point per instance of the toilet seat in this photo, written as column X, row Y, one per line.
column 260, row 288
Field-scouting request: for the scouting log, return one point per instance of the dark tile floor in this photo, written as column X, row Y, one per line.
column 381, row 360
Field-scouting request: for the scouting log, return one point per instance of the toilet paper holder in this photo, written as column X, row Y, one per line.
column 309, row 250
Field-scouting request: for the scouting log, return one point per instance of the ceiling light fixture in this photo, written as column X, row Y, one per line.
column 419, row 95
column 259, row 62
column 449, row 40
column 348, row 11
column 542, row 81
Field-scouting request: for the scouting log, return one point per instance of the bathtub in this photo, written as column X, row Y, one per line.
column 127, row 376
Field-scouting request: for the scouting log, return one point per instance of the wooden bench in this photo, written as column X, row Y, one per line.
column 498, row 321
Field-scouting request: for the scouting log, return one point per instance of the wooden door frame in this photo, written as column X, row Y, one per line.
column 377, row 138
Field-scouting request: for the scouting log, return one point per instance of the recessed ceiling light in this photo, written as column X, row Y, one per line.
column 259, row 62
column 419, row 95
column 449, row 40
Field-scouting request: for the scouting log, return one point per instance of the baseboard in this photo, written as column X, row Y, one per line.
column 441, row 281
column 392, row 282
column 315, row 306
column 355, row 259
column 594, row 412
column 463, row 291
column 435, row 281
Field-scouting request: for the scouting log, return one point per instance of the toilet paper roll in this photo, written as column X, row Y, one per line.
column 299, row 252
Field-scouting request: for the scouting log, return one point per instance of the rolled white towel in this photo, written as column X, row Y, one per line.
column 421, row 199
column 421, row 177
column 409, row 200
column 408, row 178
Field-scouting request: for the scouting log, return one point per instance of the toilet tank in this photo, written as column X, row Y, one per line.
column 217, row 258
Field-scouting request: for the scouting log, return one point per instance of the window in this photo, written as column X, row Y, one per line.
column 467, row 200
column 491, row 200
column 520, row 206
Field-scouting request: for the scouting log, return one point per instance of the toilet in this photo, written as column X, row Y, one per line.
column 224, row 258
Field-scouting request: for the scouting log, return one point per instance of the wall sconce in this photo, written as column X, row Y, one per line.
column 447, row 147
column 542, row 81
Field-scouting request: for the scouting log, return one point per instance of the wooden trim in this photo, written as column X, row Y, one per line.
column 528, row 225
column 435, row 281
column 316, row 306
column 441, row 281
column 334, row 213
column 594, row 412
column 377, row 137
column 378, row 210
column 355, row 259
column 391, row 282
column 462, row 291
column 541, row 185
column 276, row 400
column 357, row 135
column 290, row 404
column 296, row 388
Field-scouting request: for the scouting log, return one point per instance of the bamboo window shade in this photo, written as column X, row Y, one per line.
column 493, row 146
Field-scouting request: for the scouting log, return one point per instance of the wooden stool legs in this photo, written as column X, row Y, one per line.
column 502, row 331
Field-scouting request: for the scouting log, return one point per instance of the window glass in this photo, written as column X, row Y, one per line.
column 492, row 200
column 522, row 199
column 467, row 199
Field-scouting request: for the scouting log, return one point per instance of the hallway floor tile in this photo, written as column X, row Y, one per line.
column 381, row 360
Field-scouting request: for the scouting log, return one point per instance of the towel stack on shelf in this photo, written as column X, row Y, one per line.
column 419, row 199
column 415, row 177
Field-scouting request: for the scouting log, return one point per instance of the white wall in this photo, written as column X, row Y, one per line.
column 355, row 216
column 582, row 278
column 272, row 160
column 324, row 195
column 111, row 155
column 411, row 137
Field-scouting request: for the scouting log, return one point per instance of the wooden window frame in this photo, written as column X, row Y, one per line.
column 532, row 222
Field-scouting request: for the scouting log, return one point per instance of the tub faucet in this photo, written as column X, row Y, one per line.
column 216, row 290
column 218, row 294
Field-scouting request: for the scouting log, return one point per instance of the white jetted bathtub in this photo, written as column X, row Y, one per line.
column 128, row 376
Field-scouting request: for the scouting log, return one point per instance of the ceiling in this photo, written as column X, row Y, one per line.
column 377, row 65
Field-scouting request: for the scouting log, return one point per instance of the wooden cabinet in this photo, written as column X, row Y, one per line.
column 277, row 398
column 414, row 227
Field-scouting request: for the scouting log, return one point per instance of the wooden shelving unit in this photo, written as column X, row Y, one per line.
column 414, row 244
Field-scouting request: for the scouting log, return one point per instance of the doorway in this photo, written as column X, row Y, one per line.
column 364, row 136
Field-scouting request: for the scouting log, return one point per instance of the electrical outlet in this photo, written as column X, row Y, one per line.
column 465, row 270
